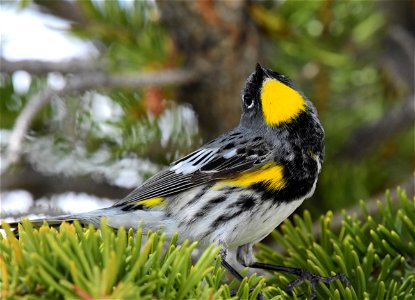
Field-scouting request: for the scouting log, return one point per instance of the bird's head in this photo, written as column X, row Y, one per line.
column 272, row 98
column 273, row 106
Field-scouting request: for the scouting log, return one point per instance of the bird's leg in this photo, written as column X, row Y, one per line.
column 234, row 272
column 246, row 258
column 223, row 252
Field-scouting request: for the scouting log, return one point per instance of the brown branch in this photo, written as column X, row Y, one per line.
column 88, row 81
column 393, row 122
column 405, row 40
column 39, row 67
column 49, row 211
column 398, row 58
column 68, row 10
column 39, row 184
column 23, row 122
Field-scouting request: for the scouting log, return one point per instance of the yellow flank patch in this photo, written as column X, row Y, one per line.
column 151, row 202
column 271, row 175
column 280, row 103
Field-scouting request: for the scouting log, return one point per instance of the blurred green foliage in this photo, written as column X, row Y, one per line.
column 13, row 102
column 130, row 32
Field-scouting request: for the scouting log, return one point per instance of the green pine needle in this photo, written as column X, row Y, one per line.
column 377, row 254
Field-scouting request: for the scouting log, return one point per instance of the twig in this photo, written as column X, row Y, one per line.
column 42, row 184
column 394, row 121
column 67, row 10
column 93, row 76
column 23, row 122
column 405, row 40
column 88, row 81
column 39, row 67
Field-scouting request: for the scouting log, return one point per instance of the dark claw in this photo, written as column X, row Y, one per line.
column 234, row 292
column 260, row 297
column 314, row 279
column 303, row 275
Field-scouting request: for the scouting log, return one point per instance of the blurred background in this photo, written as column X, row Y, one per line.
column 96, row 96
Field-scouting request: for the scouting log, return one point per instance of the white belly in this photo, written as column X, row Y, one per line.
column 256, row 227
column 225, row 222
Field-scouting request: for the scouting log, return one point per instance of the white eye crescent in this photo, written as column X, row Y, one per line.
column 249, row 102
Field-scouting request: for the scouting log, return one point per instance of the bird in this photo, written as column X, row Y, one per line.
column 236, row 189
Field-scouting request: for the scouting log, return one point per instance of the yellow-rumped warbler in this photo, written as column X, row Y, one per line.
column 237, row 188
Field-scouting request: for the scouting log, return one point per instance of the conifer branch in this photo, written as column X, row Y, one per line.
column 371, row 206
column 89, row 81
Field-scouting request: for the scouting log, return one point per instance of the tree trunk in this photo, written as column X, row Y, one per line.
column 219, row 38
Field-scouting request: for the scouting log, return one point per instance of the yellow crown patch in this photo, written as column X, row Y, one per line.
column 280, row 103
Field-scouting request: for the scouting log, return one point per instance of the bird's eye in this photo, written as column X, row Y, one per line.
column 249, row 102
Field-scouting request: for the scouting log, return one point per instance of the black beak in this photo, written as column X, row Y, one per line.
column 258, row 69
column 259, row 74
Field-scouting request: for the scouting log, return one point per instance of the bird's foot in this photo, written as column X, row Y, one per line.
column 313, row 279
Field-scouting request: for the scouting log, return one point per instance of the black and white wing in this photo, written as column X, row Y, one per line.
column 215, row 160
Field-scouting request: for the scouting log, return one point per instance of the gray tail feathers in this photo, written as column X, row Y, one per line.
column 36, row 223
column 93, row 217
